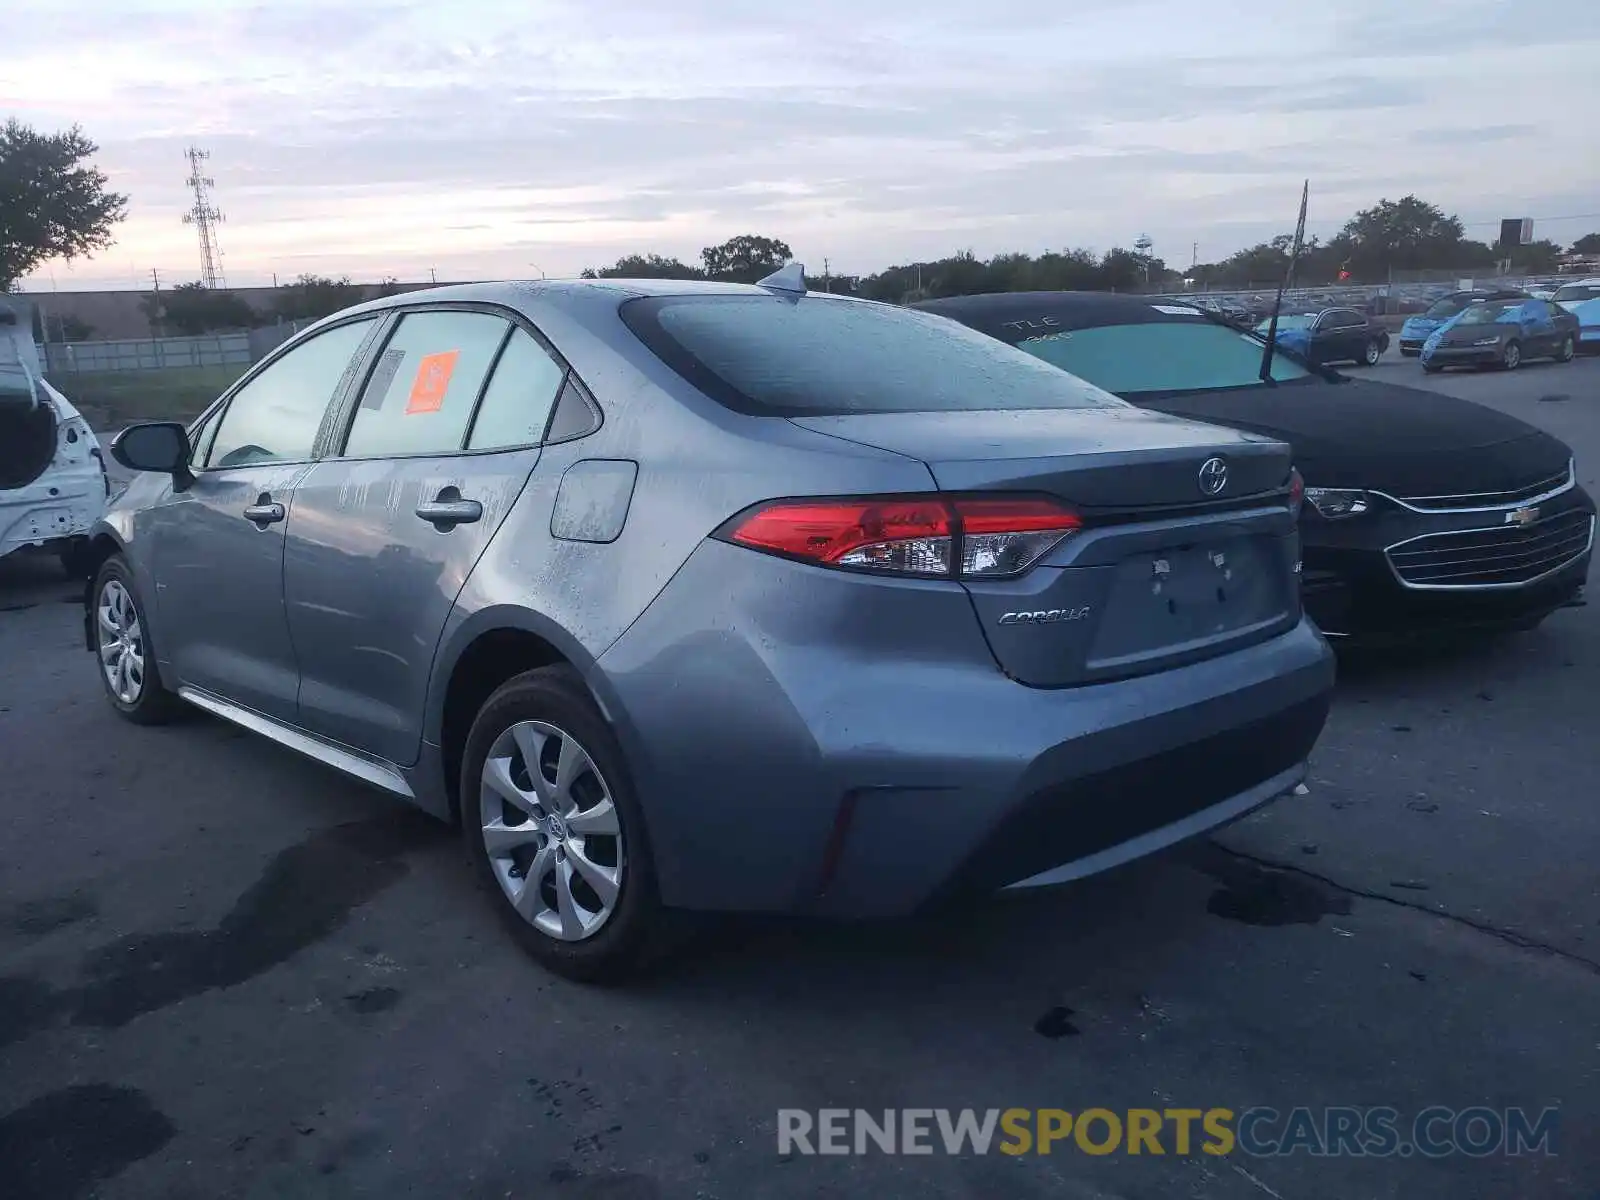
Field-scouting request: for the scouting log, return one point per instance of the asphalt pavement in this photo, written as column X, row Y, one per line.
column 225, row 971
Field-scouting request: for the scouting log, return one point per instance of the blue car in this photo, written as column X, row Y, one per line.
column 1416, row 329
column 1502, row 333
column 1582, row 300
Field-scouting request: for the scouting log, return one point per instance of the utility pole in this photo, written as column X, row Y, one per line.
column 155, row 304
column 433, row 275
column 1194, row 257
column 203, row 215
column 827, row 279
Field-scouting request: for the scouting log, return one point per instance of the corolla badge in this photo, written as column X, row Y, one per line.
column 1048, row 616
column 1213, row 476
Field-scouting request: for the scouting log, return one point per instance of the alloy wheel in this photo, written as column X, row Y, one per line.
column 551, row 830
column 121, row 642
column 1373, row 354
column 1513, row 356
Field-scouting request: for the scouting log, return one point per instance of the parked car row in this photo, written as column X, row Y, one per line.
column 699, row 597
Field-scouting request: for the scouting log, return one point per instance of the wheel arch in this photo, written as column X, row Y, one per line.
column 477, row 657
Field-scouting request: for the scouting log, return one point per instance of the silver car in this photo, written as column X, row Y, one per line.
column 694, row 597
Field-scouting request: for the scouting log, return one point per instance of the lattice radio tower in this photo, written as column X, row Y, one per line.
column 204, row 217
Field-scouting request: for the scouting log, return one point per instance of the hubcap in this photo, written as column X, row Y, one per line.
column 121, row 642
column 1513, row 355
column 1372, row 356
column 551, row 831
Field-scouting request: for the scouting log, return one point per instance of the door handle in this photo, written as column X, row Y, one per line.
column 265, row 511
column 444, row 515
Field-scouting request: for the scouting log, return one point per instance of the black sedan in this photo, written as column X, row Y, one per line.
column 1502, row 333
column 1425, row 514
column 1331, row 335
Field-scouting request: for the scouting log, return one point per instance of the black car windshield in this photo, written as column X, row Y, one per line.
column 820, row 357
column 1488, row 314
column 1162, row 356
column 1577, row 291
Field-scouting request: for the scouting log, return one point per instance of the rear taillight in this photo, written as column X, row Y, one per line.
column 1297, row 493
column 970, row 537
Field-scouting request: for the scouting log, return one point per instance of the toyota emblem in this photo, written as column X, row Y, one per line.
column 1213, row 476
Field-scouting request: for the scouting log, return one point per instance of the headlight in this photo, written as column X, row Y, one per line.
column 1333, row 503
column 1492, row 341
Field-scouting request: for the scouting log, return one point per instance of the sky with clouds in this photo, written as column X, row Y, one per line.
column 500, row 138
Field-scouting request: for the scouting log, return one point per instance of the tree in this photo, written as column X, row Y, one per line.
column 312, row 297
column 1589, row 243
column 192, row 308
column 1542, row 257
column 644, row 266
column 1406, row 235
column 75, row 329
column 747, row 258
column 52, row 205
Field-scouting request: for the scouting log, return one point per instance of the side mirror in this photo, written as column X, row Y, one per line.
column 159, row 446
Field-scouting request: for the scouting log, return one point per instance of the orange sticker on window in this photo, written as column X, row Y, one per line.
column 432, row 381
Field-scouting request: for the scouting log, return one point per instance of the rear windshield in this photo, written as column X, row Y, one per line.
column 1162, row 356
column 1578, row 291
column 815, row 357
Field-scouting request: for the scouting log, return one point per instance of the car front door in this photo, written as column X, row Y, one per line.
column 430, row 456
column 217, row 549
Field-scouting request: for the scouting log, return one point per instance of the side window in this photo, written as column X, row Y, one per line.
column 516, row 405
column 422, row 390
column 275, row 417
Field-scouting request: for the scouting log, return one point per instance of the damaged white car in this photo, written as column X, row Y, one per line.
column 53, row 481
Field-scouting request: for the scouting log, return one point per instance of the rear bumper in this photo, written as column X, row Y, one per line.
column 786, row 775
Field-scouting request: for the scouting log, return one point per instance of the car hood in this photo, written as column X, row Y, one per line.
column 1417, row 326
column 1399, row 440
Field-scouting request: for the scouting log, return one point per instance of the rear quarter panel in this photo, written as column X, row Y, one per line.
column 698, row 465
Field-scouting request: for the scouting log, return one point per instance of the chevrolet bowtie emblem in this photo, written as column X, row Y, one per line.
column 1522, row 516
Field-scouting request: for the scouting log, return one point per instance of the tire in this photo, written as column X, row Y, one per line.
column 123, row 638
column 1568, row 350
column 1511, row 356
column 548, row 712
column 1373, row 354
column 1431, row 368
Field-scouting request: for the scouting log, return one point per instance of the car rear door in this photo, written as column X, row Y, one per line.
column 431, row 454
column 1539, row 323
column 217, row 545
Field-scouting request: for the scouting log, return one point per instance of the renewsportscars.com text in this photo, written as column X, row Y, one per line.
column 1331, row 1132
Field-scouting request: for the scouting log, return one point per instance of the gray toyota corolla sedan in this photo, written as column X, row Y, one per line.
column 719, row 598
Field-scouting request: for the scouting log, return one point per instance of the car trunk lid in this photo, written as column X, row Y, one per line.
column 1165, row 571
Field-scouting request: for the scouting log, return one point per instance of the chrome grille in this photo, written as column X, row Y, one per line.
column 1519, row 495
column 1503, row 557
